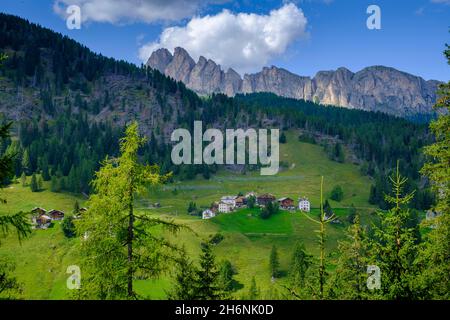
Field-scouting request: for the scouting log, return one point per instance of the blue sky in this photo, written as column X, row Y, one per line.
column 313, row 35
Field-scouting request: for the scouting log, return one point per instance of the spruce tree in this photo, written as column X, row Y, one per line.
column 435, row 253
column 54, row 184
column 253, row 291
column 208, row 276
column 226, row 273
column 274, row 263
column 394, row 243
column 301, row 261
column 26, row 165
column 34, row 184
column 40, row 183
column 23, row 179
column 76, row 207
column 349, row 281
column 184, row 287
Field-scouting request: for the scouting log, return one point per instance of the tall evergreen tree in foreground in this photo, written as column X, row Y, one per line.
column 435, row 253
column 395, row 244
column 208, row 286
column 350, row 278
column 119, row 244
column 324, row 219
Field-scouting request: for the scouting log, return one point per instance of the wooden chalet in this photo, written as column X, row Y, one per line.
column 264, row 199
column 56, row 214
column 286, row 203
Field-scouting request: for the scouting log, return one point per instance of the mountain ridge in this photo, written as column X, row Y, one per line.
column 374, row 88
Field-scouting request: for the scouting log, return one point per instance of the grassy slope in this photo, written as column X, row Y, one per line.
column 42, row 260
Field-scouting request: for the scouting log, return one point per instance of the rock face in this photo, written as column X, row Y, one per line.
column 375, row 88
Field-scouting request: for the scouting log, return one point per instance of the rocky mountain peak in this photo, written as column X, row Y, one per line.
column 375, row 88
column 160, row 59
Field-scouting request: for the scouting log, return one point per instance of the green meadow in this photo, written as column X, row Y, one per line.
column 42, row 259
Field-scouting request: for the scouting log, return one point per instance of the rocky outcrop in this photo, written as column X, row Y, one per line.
column 376, row 88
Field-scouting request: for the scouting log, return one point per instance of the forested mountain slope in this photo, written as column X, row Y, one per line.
column 70, row 104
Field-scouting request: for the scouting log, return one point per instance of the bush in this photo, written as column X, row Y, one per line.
column 68, row 227
column 251, row 202
column 216, row 239
column 337, row 194
column 270, row 209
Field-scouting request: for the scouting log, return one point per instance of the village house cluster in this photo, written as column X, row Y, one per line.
column 230, row 203
column 42, row 218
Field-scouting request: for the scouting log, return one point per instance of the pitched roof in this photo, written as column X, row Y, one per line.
column 285, row 198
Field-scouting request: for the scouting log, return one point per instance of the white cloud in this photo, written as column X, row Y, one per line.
column 126, row 11
column 441, row 1
column 244, row 41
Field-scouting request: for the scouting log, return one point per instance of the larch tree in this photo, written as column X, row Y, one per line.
column 119, row 244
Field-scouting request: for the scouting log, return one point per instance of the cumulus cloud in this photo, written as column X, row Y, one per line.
column 244, row 41
column 126, row 11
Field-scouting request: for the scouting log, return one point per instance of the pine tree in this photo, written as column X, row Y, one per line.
column 274, row 263
column 208, row 276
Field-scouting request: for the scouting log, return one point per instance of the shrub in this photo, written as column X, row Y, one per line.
column 337, row 194
column 68, row 227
